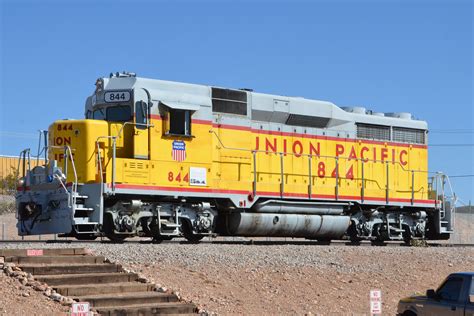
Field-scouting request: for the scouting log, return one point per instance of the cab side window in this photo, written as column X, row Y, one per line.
column 99, row 114
column 179, row 122
column 141, row 114
column 451, row 289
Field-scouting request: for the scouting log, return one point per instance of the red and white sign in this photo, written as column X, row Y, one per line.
column 375, row 302
column 80, row 309
column 34, row 252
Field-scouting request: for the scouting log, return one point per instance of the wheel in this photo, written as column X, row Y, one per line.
column 188, row 233
column 407, row 237
column 85, row 237
column 408, row 313
column 353, row 234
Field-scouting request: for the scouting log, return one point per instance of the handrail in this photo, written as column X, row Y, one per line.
column 133, row 124
column 312, row 155
column 22, row 157
column 336, row 158
column 67, row 154
column 114, row 151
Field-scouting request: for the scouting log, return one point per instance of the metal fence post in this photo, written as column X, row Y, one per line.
column 310, row 176
column 387, row 192
column 254, row 189
column 362, row 189
column 337, row 178
column 282, row 182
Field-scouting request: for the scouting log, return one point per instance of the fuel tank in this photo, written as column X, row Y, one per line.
column 286, row 225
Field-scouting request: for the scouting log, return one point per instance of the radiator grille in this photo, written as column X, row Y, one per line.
column 369, row 131
column 229, row 101
column 408, row 135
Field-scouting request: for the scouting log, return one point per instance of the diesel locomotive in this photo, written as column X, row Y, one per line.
column 166, row 159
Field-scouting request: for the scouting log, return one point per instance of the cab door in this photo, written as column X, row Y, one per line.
column 141, row 131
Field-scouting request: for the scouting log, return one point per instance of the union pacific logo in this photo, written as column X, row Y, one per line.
column 364, row 152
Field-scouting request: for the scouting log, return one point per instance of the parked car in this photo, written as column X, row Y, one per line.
column 455, row 296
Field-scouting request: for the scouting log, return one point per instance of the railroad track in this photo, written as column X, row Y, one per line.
column 258, row 242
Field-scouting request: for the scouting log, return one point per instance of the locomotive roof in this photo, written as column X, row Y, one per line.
column 262, row 107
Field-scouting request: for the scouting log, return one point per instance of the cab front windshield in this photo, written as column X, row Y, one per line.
column 121, row 113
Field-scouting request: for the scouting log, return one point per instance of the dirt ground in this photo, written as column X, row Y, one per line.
column 258, row 280
column 13, row 301
column 260, row 290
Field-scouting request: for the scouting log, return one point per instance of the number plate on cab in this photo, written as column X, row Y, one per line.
column 117, row 96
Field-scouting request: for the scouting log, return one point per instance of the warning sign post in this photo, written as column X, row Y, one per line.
column 80, row 309
column 375, row 302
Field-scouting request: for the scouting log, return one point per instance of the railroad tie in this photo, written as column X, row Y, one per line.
column 110, row 290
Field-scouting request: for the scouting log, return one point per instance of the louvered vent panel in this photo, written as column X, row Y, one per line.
column 368, row 131
column 229, row 101
column 408, row 135
column 308, row 121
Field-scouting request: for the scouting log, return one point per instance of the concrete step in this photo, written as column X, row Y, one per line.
column 45, row 252
column 56, row 259
column 87, row 278
column 53, row 269
column 136, row 298
column 107, row 288
column 148, row 309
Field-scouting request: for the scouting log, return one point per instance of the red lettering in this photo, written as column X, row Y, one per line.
column 353, row 154
column 321, row 169
column 257, row 143
column 285, row 143
column 350, row 173
column 335, row 172
column 339, row 149
column 375, row 154
column 59, row 141
column 393, row 155
column 269, row 145
column 364, row 149
column 402, row 160
column 384, row 154
column 298, row 152
column 313, row 150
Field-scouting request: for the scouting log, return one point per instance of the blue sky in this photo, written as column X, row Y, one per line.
column 413, row 56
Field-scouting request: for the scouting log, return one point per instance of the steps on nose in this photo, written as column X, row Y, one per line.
column 87, row 278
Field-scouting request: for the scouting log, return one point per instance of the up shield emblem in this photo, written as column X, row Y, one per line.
column 179, row 150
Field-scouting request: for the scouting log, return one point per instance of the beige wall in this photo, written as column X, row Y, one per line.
column 9, row 164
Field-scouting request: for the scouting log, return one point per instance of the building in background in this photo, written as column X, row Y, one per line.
column 9, row 171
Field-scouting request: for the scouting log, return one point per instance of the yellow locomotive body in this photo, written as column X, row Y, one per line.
column 198, row 160
column 226, row 152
